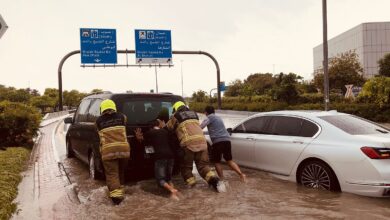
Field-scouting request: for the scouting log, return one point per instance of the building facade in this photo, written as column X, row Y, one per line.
column 371, row 41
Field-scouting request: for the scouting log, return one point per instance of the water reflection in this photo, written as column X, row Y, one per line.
column 263, row 197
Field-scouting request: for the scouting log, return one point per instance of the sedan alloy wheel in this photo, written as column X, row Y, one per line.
column 318, row 175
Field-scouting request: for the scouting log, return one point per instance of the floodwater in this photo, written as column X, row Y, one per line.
column 262, row 197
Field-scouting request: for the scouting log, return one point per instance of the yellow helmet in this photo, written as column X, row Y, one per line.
column 107, row 104
column 177, row 105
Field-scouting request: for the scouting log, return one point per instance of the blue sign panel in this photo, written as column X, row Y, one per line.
column 98, row 46
column 222, row 86
column 153, row 46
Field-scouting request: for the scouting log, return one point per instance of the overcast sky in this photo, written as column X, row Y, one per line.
column 246, row 36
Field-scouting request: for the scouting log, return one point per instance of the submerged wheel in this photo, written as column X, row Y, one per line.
column 69, row 150
column 318, row 175
column 93, row 172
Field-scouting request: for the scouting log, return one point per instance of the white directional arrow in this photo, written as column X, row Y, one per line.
column 97, row 60
column 3, row 26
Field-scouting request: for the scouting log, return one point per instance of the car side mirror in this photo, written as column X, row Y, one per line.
column 230, row 130
column 68, row 120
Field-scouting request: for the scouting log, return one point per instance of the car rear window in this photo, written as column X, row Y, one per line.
column 145, row 110
column 355, row 125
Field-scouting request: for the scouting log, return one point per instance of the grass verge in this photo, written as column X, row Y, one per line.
column 12, row 162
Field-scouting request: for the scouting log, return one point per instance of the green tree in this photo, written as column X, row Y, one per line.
column 42, row 102
column 285, row 88
column 247, row 90
column 234, row 88
column 199, row 96
column 344, row 69
column 260, row 83
column 72, row 98
column 20, row 95
column 384, row 65
column 96, row 91
column 307, row 87
column 376, row 90
column 52, row 93
column 14, row 95
column 33, row 92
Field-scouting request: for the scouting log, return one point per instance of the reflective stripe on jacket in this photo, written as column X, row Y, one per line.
column 112, row 133
column 188, row 131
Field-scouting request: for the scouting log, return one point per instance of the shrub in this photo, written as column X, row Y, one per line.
column 12, row 162
column 376, row 90
column 199, row 106
column 19, row 123
column 319, row 98
column 370, row 111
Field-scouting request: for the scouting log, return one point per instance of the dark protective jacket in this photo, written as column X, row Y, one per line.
column 112, row 133
column 161, row 142
column 186, row 125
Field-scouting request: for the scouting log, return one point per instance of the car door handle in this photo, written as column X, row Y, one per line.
column 250, row 138
column 298, row 142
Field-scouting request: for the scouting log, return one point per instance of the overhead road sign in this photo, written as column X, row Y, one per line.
column 153, row 46
column 3, row 26
column 98, row 46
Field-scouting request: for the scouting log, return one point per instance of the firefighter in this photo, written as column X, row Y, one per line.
column 114, row 148
column 185, row 123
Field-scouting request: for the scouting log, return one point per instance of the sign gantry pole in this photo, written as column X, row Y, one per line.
column 132, row 52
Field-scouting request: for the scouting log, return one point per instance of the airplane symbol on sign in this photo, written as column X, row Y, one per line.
column 97, row 60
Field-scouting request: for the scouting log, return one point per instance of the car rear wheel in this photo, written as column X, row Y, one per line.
column 93, row 172
column 318, row 175
column 69, row 150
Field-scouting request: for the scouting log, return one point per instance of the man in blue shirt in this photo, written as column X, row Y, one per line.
column 221, row 145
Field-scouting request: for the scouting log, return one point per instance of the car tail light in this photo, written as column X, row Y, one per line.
column 376, row 153
column 386, row 192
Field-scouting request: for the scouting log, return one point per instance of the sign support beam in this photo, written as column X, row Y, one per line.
column 133, row 51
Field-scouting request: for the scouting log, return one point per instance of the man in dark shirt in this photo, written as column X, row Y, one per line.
column 159, row 138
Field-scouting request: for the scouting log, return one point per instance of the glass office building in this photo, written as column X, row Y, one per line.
column 371, row 41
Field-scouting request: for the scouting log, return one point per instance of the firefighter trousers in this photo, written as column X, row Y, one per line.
column 201, row 160
column 115, row 176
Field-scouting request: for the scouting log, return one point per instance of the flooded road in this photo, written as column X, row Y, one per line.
column 263, row 197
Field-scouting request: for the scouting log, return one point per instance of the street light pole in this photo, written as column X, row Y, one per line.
column 181, row 70
column 325, row 50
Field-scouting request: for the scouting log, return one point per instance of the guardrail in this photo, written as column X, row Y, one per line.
column 57, row 114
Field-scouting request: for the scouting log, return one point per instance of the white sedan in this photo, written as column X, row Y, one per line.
column 325, row 150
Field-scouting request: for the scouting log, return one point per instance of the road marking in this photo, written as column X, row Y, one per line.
column 53, row 141
column 53, row 144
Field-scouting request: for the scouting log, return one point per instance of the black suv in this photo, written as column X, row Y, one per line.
column 141, row 109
